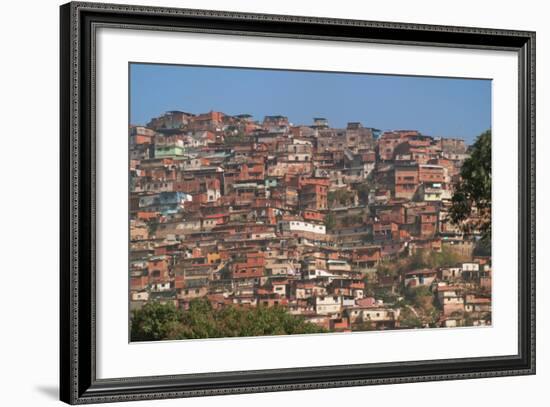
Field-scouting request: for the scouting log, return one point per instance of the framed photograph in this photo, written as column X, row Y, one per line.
column 255, row 203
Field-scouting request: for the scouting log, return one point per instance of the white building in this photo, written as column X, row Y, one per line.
column 301, row 226
column 328, row 305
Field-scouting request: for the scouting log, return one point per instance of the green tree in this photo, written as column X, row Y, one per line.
column 340, row 197
column 423, row 301
column 363, row 190
column 471, row 202
column 197, row 322
column 423, row 258
column 154, row 321
column 408, row 319
column 482, row 248
column 330, row 221
column 386, row 268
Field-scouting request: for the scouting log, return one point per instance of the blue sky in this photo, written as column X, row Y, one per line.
column 435, row 106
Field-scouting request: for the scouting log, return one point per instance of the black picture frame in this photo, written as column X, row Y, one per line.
column 78, row 382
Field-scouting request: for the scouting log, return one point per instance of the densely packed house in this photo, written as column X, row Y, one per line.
column 325, row 222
